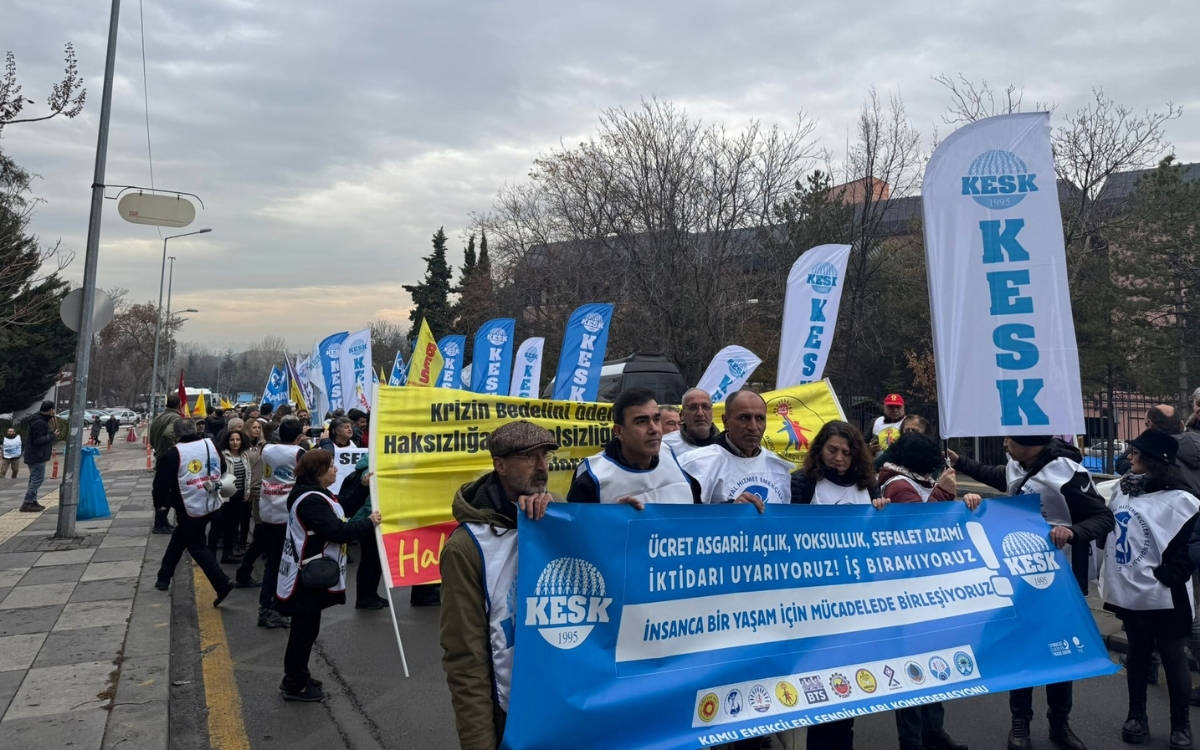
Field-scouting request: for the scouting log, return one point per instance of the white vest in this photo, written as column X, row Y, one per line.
column 499, row 554
column 921, row 489
column 344, row 460
column 724, row 476
column 1146, row 524
column 886, row 433
column 199, row 462
column 674, row 441
column 665, row 483
column 1048, row 483
column 831, row 493
column 294, row 551
column 279, row 476
column 12, row 447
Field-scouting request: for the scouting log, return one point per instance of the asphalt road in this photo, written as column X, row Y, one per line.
column 370, row 704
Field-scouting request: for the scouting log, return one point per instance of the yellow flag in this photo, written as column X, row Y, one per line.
column 296, row 395
column 225, row 404
column 426, row 363
column 200, row 410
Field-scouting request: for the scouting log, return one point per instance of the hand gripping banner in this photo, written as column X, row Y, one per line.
column 691, row 626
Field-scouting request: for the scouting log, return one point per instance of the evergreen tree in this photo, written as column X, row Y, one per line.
column 34, row 344
column 431, row 297
column 476, row 297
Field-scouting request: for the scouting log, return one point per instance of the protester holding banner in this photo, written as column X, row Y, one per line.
column 1077, row 515
column 355, row 497
column 837, row 470
column 1146, row 579
column 697, row 429
column 316, row 529
column 635, row 467
column 479, row 567
column 736, row 468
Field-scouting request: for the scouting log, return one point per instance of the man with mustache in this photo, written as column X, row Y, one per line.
column 479, row 578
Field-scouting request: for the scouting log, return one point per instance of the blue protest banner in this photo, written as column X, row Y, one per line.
column 584, row 343
column 399, row 374
column 331, row 367
column 452, row 348
column 491, row 357
column 686, row 626
column 276, row 390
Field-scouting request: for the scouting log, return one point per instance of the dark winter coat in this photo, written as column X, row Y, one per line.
column 41, row 440
column 318, row 518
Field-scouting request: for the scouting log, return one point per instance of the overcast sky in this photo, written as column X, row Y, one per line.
column 329, row 140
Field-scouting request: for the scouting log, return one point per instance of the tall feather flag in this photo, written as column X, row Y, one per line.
column 426, row 362
column 201, row 409
column 295, row 394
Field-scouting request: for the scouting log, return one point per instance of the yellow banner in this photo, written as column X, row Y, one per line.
column 427, row 442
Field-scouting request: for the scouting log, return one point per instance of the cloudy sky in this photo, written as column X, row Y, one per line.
column 329, row 140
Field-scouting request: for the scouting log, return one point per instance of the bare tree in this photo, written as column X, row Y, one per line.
column 66, row 97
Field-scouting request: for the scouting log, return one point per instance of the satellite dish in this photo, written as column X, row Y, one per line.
column 156, row 210
column 71, row 310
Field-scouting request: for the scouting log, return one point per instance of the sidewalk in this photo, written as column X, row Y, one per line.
column 84, row 641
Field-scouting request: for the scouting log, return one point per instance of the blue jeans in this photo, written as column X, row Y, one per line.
column 37, row 475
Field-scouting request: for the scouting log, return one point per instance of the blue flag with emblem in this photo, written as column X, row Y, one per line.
column 452, row 348
column 276, row 390
column 399, row 375
column 331, row 367
column 491, row 357
column 687, row 626
column 584, row 343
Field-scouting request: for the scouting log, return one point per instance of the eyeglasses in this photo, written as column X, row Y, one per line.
column 533, row 455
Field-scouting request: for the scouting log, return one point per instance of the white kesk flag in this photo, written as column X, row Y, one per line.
column 527, row 368
column 728, row 371
column 810, row 310
column 355, row 366
column 1003, row 336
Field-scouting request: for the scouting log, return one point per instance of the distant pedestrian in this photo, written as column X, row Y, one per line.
column 41, row 443
column 96, row 427
column 11, row 456
column 111, row 426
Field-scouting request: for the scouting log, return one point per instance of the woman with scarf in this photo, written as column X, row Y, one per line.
column 224, row 531
column 1146, row 579
column 911, row 475
column 317, row 527
column 838, row 470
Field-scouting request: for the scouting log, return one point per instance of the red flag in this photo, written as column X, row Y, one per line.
column 183, row 406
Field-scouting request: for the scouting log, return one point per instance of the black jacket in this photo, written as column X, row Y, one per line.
column 165, row 490
column 1090, row 517
column 584, row 489
column 41, row 440
column 319, row 519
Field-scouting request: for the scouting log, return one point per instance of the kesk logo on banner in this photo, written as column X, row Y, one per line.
column 428, row 442
column 452, row 348
column 426, row 363
column 728, row 371
column 1003, row 335
column 491, row 357
column 356, row 368
column 399, row 373
column 331, row 367
column 582, row 356
column 693, row 626
column 527, row 368
column 810, row 310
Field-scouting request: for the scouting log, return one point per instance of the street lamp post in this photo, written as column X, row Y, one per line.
column 158, row 326
column 171, row 349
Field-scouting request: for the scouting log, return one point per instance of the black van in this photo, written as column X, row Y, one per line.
column 650, row 370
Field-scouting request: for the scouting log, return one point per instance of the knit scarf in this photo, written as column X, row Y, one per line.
column 1135, row 484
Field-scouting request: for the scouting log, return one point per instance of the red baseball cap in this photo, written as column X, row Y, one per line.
column 893, row 399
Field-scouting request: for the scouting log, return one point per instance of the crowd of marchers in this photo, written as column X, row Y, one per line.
column 665, row 454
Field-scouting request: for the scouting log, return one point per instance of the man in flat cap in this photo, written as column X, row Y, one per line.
column 479, row 579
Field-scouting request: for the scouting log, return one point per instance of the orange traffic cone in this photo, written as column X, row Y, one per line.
column 54, row 467
column 148, row 466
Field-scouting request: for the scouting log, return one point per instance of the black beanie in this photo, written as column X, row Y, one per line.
column 1031, row 440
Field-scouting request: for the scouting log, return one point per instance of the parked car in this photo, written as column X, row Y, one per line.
column 127, row 416
column 1100, row 448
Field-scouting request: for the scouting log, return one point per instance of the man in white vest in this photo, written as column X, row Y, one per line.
column 696, row 428
column 479, row 569
column 279, row 477
column 635, row 467
column 187, row 477
column 736, row 468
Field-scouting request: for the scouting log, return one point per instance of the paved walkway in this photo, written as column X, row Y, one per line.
column 84, row 637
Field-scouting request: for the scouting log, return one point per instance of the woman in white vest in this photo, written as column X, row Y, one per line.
column 316, row 527
column 838, row 470
column 1146, row 579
